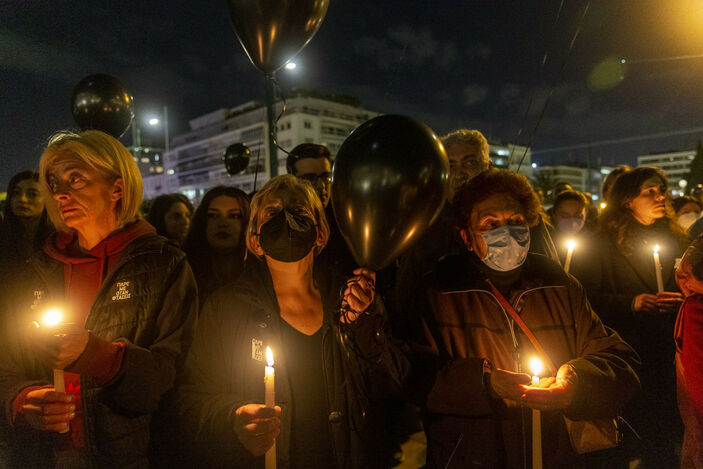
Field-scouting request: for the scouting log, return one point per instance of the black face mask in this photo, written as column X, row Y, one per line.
column 287, row 237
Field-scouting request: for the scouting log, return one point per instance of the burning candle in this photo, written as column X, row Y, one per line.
column 536, row 367
column 270, row 400
column 53, row 318
column 658, row 269
column 570, row 244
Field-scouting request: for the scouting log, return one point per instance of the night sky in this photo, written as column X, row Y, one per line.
column 449, row 63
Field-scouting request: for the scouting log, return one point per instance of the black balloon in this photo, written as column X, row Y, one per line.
column 273, row 31
column 101, row 102
column 389, row 182
column 236, row 158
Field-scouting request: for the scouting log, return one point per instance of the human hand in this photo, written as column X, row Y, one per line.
column 669, row 302
column 49, row 411
column 646, row 303
column 257, row 427
column 552, row 393
column 359, row 294
column 58, row 346
column 508, row 385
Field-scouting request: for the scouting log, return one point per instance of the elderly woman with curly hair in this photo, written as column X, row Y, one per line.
column 478, row 393
column 128, row 302
column 621, row 281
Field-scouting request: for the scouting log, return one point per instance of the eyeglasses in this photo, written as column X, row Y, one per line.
column 313, row 179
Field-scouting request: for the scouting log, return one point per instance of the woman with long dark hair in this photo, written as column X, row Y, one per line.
column 170, row 214
column 622, row 284
column 25, row 225
column 215, row 244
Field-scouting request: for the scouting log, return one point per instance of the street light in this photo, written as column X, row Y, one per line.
column 154, row 121
column 290, row 66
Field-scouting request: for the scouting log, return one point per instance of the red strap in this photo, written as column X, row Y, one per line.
column 516, row 317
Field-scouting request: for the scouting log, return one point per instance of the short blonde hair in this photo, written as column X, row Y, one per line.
column 295, row 185
column 471, row 137
column 100, row 152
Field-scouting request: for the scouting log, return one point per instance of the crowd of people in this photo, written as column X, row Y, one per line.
column 166, row 312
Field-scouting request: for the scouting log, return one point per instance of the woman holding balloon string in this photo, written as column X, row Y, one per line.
column 332, row 359
column 128, row 302
column 640, row 303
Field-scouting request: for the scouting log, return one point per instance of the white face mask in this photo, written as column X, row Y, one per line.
column 507, row 247
column 688, row 219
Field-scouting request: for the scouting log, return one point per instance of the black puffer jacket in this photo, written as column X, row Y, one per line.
column 223, row 372
column 155, row 320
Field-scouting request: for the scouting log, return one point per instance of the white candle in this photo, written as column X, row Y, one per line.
column 52, row 318
column 571, row 244
column 536, row 367
column 270, row 400
column 658, row 269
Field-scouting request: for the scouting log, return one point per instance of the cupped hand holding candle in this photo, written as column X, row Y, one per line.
column 554, row 393
column 507, row 384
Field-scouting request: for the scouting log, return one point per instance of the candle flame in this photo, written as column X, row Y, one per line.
column 51, row 317
column 269, row 356
column 656, row 249
column 536, row 366
column 603, row 205
column 571, row 244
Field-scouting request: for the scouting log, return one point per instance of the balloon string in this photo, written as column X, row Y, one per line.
column 534, row 90
column 256, row 173
column 283, row 109
column 551, row 89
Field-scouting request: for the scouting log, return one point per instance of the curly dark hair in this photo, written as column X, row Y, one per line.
column 618, row 217
column 160, row 206
column 492, row 182
column 306, row 150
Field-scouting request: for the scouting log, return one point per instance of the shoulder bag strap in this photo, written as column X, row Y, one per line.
column 518, row 320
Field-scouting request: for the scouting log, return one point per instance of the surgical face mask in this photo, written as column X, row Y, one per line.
column 688, row 219
column 288, row 236
column 507, row 247
column 570, row 225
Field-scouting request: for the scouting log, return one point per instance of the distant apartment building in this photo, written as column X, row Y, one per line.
column 582, row 179
column 194, row 163
column 676, row 165
column 508, row 156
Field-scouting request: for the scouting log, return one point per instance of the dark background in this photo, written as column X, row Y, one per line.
column 453, row 63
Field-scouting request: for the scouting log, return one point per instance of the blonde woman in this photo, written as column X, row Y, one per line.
column 128, row 302
column 333, row 361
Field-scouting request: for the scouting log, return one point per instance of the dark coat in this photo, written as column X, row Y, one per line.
column 225, row 370
column 467, row 426
column 155, row 322
column 613, row 277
